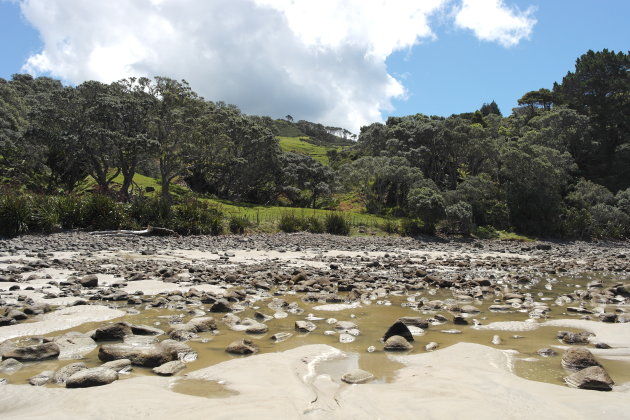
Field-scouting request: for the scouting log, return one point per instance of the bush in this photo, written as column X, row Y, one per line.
column 390, row 226
column 609, row 222
column 486, row 232
column 15, row 212
column 414, row 227
column 69, row 208
column 313, row 224
column 238, row 224
column 148, row 211
column 100, row 212
column 459, row 218
column 45, row 214
column 337, row 224
column 290, row 223
column 195, row 217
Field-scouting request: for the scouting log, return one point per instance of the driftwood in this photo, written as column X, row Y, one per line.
column 149, row 231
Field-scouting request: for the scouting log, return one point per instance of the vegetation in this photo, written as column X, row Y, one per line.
column 151, row 151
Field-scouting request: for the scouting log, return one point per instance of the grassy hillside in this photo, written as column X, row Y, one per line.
column 299, row 145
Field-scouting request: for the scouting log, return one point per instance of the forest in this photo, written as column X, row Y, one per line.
column 558, row 166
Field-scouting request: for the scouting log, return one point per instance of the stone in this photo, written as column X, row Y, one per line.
column 345, row 325
column 41, row 351
column 242, row 346
column 41, row 379
column 91, row 280
column 547, row 352
column 574, row 338
column 431, row 346
column 182, row 332
column 145, row 330
column 120, row 365
column 578, row 358
column 169, row 368
column 398, row 329
column 62, row 374
column 357, row 376
column 594, row 377
column 305, row 326
column 221, row 306
column 397, row 343
column 254, row 327
column 4, row 321
column 17, row 315
column 203, row 324
column 92, row 377
column 116, row 331
column 459, row 320
column 281, row 336
column 414, row 321
column 10, row 366
column 145, row 355
column 74, row 345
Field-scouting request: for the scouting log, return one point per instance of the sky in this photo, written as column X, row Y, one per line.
column 344, row 63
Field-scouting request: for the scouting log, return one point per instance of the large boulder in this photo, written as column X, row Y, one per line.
column 91, row 377
column 203, row 324
column 568, row 337
column 400, row 329
column 182, row 332
column 89, row 281
column 116, row 331
column 10, row 366
column 145, row 355
column 594, row 377
column 305, row 326
column 120, row 365
column 397, row 343
column 41, row 379
column 578, row 358
column 74, row 345
column 34, row 352
column 357, row 376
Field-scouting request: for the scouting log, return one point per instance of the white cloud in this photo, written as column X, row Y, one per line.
column 492, row 20
column 319, row 60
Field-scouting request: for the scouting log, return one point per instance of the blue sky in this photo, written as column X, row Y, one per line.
column 273, row 58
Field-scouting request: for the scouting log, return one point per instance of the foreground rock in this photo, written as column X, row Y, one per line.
column 145, row 355
column 169, row 368
column 32, row 353
column 242, row 346
column 397, row 343
column 116, row 331
column 398, row 329
column 357, row 376
column 92, row 377
column 594, row 377
column 74, row 345
column 578, row 358
column 62, row 375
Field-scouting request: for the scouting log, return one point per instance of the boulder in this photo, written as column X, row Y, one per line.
column 182, row 332
column 169, row 368
column 398, row 329
column 397, row 343
column 41, row 351
column 41, row 379
column 547, row 352
column 594, row 377
column 120, row 365
column 242, row 346
column 221, row 306
column 17, row 315
column 10, row 366
column 4, row 321
column 145, row 330
column 414, row 321
column 578, row 358
column 91, row 377
column 74, row 345
column 203, row 324
column 116, row 331
column 357, row 376
column 65, row 372
column 89, row 281
column 574, row 338
column 144, row 355
column 305, row 326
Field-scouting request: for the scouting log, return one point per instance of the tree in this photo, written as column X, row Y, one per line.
column 289, row 118
column 491, row 108
column 541, row 98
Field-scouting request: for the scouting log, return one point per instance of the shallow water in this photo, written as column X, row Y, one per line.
column 373, row 318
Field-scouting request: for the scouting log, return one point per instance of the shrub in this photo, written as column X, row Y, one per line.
column 390, row 226
column 100, row 212
column 195, row 217
column 313, row 224
column 14, row 214
column 238, row 224
column 69, row 208
column 290, row 223
column 414, row 227
column 486, row 232
column 609, row 221
column 148, row 211
column 459, row 218
column 337, row 224
column 44, row 214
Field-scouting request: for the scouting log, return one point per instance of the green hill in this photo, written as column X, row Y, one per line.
column 301, row 145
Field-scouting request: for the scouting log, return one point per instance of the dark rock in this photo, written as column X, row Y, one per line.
column 203, row 324
column 547, row 352
column 31, row 353
column 602, row 346
column 91, row 280
column 574, row 338
column 4, row 321
column 146, row 330
column 400, row 329
column 578, row 358
column 116, row 331
column 460, row 320
column 91, row 377
column 17, row 315
column 151, row 355
column 414, row 321
column 221, row 306
column 594, row 377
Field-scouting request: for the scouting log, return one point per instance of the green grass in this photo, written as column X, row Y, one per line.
column 299, row 145
column 511, row 236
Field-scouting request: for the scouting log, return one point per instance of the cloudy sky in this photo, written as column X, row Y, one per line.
column 340, row 62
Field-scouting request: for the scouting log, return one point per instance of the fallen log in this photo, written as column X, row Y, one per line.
column 149, row 231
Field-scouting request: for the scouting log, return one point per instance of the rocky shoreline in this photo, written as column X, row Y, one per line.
column 250, row 291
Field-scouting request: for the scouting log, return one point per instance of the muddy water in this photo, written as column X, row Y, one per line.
column 373, row 318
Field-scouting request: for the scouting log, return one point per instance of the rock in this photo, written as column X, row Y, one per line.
column 182, row 332
column 91, row 280
column 91, row 377
column 254, row 327
column 578, row 358
column 17, row 315
column 203, row 324
column 496, row 340
column 547, row 352
column 145, row 355
column 242, row 346
column 31, row 353
column 41, row 379
column 603, row 346
column 608, row 317
column 116, row 331
column 10, row 366
column 345, row 325
column 74, row 345
column 357, row 376
column 460, row 320
column 65, row 372
column 398, row 329
column 221, row 306
column 169, row 368
column 397, row 343
column 281, row 336
column 120, row 366
column 431, row 346
column 414, row 321
column 574, row 338
column 594, row 377
column 145, row 330
column 346, row 338
column 305, row 326
column 4, row 321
